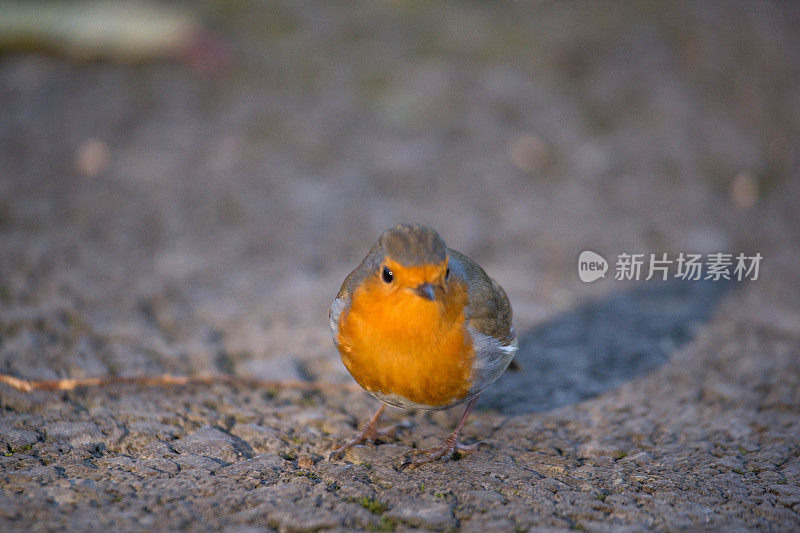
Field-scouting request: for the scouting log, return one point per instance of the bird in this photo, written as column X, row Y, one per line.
column 420, row 326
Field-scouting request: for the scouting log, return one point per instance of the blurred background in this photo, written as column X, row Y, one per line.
column 183, row 187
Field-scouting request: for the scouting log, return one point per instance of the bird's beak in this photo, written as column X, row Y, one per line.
column 426, row 291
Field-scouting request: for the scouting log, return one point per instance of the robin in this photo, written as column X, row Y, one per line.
column 421, row 326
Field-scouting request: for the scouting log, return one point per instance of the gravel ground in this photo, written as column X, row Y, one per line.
column 156, row 219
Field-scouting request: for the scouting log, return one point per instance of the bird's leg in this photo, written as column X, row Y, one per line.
column 446, row 449
column 369, row 433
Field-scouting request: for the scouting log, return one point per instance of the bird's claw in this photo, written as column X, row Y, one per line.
column 443, row 452
column 369, row 435
column 339, row 452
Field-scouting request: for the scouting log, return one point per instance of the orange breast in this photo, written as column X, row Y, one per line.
column 399, row 343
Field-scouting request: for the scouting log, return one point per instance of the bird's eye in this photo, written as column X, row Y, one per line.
column 387, row 275
column 447, row 274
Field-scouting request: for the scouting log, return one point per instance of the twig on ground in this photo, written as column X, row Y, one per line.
column 169, row 379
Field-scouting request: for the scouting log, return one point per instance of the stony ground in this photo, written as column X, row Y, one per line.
column 157, row 219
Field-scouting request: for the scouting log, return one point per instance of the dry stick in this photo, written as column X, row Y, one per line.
column 169, row 379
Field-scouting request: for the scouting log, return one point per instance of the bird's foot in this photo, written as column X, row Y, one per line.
column 366, row 436
column 443, row 452
column 370, row 434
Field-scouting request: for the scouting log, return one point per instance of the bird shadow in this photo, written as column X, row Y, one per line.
column 602, row 344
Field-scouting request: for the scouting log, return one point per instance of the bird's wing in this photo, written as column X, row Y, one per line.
column 489, row 309
column 489, row 323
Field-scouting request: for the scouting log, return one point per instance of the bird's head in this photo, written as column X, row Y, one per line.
column 410, row 292
column 414, row 261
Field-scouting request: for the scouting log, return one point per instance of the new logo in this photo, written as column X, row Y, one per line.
column 591, row 266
